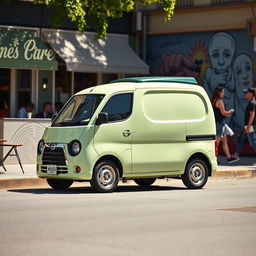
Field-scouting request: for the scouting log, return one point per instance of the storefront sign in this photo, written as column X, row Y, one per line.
column 22, row 48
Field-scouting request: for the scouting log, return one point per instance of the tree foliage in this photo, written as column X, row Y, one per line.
column 99, row 11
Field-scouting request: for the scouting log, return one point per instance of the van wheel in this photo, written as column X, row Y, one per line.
column 105, row 177
column 196, row 174
column 145, row 182
column 59, row 184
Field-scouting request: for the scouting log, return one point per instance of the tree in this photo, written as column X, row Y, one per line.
column 99, row 11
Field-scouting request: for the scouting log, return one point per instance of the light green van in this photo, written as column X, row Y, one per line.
column 138, row 129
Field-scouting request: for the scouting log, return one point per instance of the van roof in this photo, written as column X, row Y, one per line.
column 162, row 79
column 127, row 84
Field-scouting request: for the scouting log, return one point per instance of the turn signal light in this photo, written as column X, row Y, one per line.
column 78, row 169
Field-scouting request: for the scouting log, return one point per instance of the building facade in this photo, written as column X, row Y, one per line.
column 40, row 64
column 213, row 41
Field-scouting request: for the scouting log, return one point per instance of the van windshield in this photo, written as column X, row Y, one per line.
column 78, row 111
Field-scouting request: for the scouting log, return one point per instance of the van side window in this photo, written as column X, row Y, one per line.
column 119, row 107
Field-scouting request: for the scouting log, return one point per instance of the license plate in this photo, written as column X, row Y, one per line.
column 52, row 169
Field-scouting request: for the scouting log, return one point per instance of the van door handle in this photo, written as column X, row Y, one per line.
column 127, row 133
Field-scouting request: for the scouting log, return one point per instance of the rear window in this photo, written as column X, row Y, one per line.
column 171, row 106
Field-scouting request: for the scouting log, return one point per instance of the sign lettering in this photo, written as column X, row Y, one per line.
column 23, row 48
column 9, row 53
column 31, row 51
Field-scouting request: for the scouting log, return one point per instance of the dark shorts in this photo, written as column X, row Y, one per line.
column 220, row 132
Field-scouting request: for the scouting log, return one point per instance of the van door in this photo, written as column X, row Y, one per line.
column 114, row 138
column 159, row 141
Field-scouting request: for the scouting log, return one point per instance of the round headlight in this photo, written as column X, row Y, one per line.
column 40, row 147
column 74, row 147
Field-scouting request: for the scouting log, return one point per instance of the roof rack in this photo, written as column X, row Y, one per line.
column 161, row 79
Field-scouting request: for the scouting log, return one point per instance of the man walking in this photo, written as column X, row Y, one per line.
column 249, row 122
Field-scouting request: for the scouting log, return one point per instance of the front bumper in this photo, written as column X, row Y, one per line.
column 55, row 163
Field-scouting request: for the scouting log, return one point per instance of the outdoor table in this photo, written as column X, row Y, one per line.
column 13, row 147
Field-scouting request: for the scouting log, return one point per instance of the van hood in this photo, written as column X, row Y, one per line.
column 62, row 134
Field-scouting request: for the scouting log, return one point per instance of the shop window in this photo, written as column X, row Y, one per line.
column 106, row 78
column 5, row 83
column 84, row 80
column 24, row 87
column 63, row 85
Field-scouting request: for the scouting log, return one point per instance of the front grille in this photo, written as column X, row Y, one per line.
column 54, row 156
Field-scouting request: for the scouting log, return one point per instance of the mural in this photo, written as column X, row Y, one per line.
column 214, row 59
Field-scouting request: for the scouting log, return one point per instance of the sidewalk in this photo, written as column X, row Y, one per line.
column 14, row 177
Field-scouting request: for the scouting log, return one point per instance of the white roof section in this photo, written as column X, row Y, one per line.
column 82, row 53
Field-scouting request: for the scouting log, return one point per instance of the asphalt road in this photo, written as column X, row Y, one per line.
column 164, row 220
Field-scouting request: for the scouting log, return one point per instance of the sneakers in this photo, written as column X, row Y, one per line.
column 232, row 159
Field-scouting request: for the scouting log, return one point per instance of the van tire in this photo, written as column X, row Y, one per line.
column 145, row 182
column 196, row 173
column 105, row 177
column 59, row 184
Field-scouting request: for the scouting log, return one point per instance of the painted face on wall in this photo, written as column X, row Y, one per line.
column 243, row 71
column 221, row 52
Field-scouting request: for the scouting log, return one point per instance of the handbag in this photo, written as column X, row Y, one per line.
column 228, row 130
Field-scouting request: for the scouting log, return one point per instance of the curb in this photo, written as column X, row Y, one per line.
column 234, row 174
column 7, row 183
column 11, row 183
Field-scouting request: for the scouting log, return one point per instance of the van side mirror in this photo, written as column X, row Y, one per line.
column 102, row 118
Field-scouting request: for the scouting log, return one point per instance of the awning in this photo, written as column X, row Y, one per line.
column 22, row 48
column 82, row 53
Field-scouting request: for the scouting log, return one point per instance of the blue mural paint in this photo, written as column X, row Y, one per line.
column 213, row 58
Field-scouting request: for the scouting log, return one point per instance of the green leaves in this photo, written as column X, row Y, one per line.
column 99, row 11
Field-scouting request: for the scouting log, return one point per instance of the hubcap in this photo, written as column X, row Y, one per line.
column 106, row 176
column 197, row 173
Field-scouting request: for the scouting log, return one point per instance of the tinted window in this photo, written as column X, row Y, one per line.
column 119, row 107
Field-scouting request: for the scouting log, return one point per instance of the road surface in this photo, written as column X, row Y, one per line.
column 164, row 220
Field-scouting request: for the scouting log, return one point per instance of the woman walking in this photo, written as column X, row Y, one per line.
column 220, row 113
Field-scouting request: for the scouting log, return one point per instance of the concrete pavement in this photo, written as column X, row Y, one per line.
column 14, row 178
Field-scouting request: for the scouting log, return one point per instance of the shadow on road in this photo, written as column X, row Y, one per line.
column 88, row 190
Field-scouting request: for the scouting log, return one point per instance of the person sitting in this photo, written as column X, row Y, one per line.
column 23, row 111
column 47, row 111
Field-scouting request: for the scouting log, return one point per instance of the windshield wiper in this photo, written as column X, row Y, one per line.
column 81, row 122
column 62, row 124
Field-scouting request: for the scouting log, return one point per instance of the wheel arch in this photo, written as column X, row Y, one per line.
column 203, row 157
column 113, row 159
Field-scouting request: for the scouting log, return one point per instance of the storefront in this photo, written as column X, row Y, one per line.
column 46, row 65
column 50, row 65
column 23, row 58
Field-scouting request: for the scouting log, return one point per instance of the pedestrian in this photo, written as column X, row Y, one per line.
column 47, row 111
column 220, row 114
column 26, row 111
column 249, row 130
